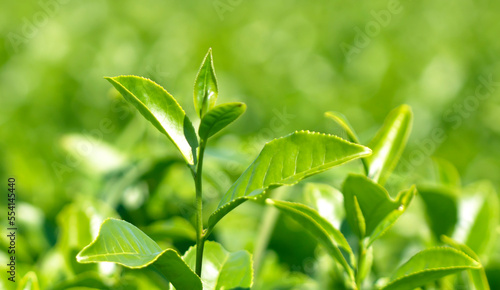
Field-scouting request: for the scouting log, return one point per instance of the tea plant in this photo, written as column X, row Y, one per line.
column 370, row 210
column 283, row 161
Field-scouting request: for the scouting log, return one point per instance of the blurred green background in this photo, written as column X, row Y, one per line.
column 69, row 139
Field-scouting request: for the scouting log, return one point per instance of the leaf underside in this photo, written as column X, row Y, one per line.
column 320, row 228
column 286, row 161
column 122, row 243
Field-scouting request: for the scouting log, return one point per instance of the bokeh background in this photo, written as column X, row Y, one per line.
column 79, row 153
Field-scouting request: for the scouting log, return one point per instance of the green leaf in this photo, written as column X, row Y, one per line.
column 326, row 234
column 403, row 199
column 29, row 282
column 174, row 228
column 327, row 200
column 222, row 269
column 440, row 209
column 219, row 117
column 342, row 121
column 480, row 210
column 373, row 201
column 286, row 161
column 430, row 265
column 477, row 276
column 389, row 143
column 205, row 86
column 162, row 110
column 122, row 243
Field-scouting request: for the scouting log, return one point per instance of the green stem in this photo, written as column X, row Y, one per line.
column 268, row 223
column 200, row 238
column 361, row 263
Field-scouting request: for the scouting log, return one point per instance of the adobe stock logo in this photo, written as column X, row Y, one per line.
column 372, row 28
column 31, row 25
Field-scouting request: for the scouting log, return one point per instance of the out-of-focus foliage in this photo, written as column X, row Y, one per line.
column 80, row 154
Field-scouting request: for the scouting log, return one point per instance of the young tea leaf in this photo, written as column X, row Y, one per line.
column 389, row 143
column 219, row 117
column 330, row 237
column 286, row 161
column 205, row 86
column 404, row 198
column 162, row 110
column 122, row 243
column 341, row 120
column 222, row 269
column 373, row 200
column 430, row 265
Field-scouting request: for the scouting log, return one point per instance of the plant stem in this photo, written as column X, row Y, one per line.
column 200, row 238
column 361, row 263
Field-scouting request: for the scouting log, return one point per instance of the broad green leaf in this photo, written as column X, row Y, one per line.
column 403, row 199
column 327, row 200
column 373, row 201
column 477, row 276
column 430, row 265
column 480, row 209
column 174, row 228
column 219, row 117
column 440, row 208
column 205, row 86
column 29, row 282
column 162, row 110
column 222, row 269
column 330, row 237
column 389, row 143
column 286, row 161
column 122, row 243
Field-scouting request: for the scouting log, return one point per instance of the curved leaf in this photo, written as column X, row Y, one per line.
column 286, row 161
column 122, row 243
column 222, row 269
column 389, row 143
column 441, row 209
column 429, row 265
column 219, row 117
column 205, row 86
column 327, row 200
column 320, row 228
column 404, row 198
column 373, row 200
column 483, row 218
column 342, row 121
column 477, row 276
column 161, row 109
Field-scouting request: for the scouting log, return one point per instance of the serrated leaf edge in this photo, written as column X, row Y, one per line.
column 478, row 265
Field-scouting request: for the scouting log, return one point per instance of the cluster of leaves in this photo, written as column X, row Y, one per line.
column 363, row 203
